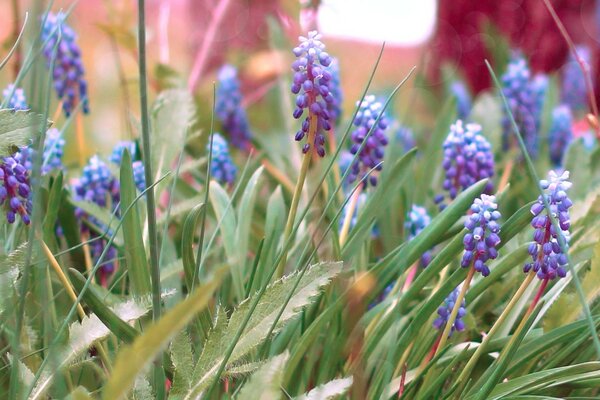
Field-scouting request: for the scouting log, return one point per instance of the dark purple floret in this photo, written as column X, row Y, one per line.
column 482, row 239
column 445, row 310
column 15, row 189
column 68, row 72
column 372, row 152
column 229, row 109
column 561, row 133
column 548, row 259
column 467, row 159
column 312, row 85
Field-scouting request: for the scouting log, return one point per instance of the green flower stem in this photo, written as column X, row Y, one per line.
column 454, row 313
column 349, row 215
column 462, row 379
column 297, row 193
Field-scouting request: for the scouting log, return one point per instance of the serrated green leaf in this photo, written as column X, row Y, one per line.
column 329, row 390
column 265, row 383
column 183, row 362
column 18, row 129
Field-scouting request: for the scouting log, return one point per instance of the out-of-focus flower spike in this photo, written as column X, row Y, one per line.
column 222, row 167
column 573, row 89
column 229, row 109
column 416, row 220
column 561, row 134
column 17, row 99
column 463, row 98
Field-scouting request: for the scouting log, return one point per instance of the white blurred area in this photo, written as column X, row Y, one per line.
column 397, row 22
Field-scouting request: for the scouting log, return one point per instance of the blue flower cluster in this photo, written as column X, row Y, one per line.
column 561, row 133
column 15, row 98
column 523, row 101
column 416, row 220
column 117, row 153
column 468, row 158
column 463, row 99
column 482, row 239
column 15, row 189
column 445, row 310
column 97, row 184
column 548, row 260
column 372, row 152
column 335, row 88
column 222, row 167
column 405, row 137
column 67, row 71
column 54, row 148
column 539, row 88
column 229, row 110
column 311, row 84
column 573, row 90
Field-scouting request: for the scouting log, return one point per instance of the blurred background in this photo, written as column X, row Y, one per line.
column 188, row 40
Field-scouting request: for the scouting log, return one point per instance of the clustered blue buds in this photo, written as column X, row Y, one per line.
column 523, row 103
column 222, row 167
column 481, row 240
column 371, row 154
column 67, row 71
column 15, row 98
column 54, row 147
column 445, row 310
column 229, row 109
column 15, row 189
column 311, row 84
column 463, row 99
column 335, row 88
column 416, row 220
column 548, row 259
column 117, row 153
column 468, row 158
column 561, row 133
column 97, row 184
column 573, row 91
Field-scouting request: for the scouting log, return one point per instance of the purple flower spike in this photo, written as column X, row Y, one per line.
column 524, row 97
column 335, row 89
column 416, row 220
column 17, row 100
column 463, row 99
column 561, row 133
column 445, row 310
column 68, row 72
column 482, row 239
column 468, row 158
column 312, row 85
column 15, row 189
column 548, row 260
column 372, row 152
column 222, row 167
column 229, row 109
column 573, row 91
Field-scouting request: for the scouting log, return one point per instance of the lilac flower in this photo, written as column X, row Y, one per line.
column 468, row 158
column 573, row 90
column 17, row 100
column 561, row 133
column 68, row 72
column 524, row 105
column 548, row 259
column 416, row 220
column 15, row 189
column 372, row 152
column 222, row 167
column 482, row 239
column 311, row 84
column 445, row 310
column 463, row 99
column 229, row 110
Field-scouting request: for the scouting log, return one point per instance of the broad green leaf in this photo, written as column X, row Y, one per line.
column 181, row 209
column 187, row 242
column 18, row 129
column 245, row 214
column 135, row 253
column 329, row 390
column 315, row 278
column 265, row 383
column 132, row 359
column 51, row 215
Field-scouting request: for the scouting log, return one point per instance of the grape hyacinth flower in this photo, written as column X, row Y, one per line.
column 548, row 259
column 573, row 90
column 561, row 133
column 372, row 152
column 445, row 310
column 139, row 177
column 405, row 137
column 519, row 92
column 97, row 184
column 482, row 239
column 463, row 99
column 335, row 88
column 117, row 153
column 67, row 71
column 416, row 220
column 222, row 167
column 311, row 84
column 15, row 189
column 539, row 88
column 468, row 158
column 54, row 146
column 229, row 110
column 17, row 100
